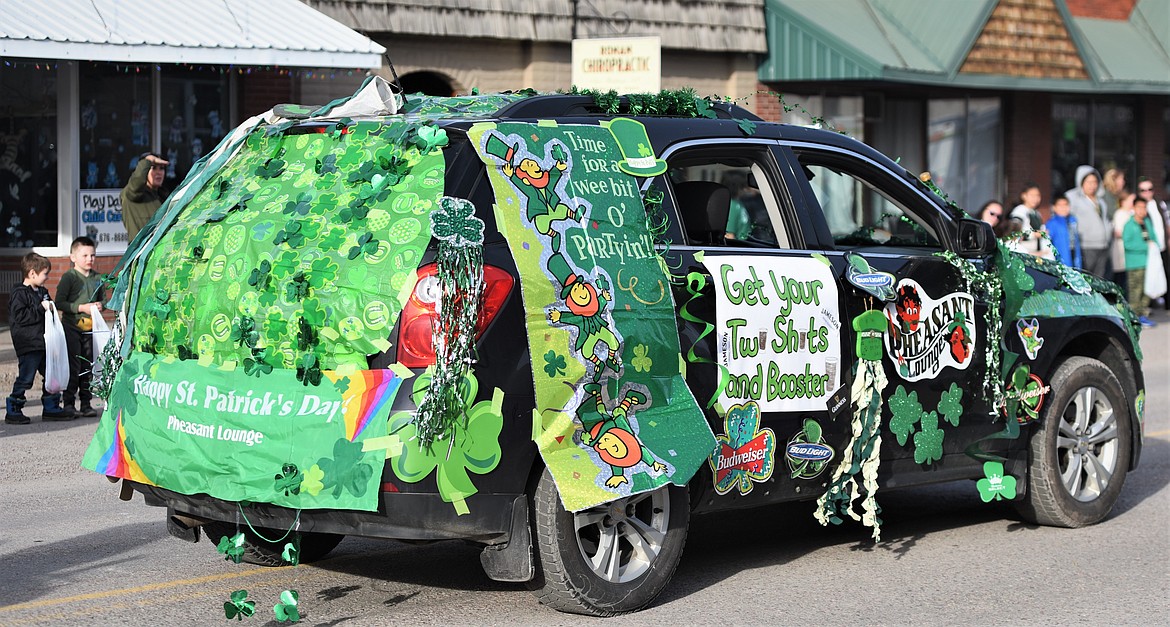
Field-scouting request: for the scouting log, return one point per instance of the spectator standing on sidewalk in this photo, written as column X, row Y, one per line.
column 79, row 298
column 1062, row 231
column 1112, row 189
column 26, row 313
column 1121, row 215
column 1137, row 235
column 1161, row 219
column 143, row 194
column 1092, row 221
column 1027, row 216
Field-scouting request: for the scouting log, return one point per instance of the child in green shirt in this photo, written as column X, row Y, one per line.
column 79, row 298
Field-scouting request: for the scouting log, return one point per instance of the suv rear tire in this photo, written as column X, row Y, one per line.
column 579, row 571
column 314, row 546
column 1081, row 451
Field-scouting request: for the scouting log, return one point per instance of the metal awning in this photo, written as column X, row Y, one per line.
column 220, row 32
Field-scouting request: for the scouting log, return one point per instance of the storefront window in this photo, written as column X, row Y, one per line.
column 194, row 117
column 963, row 146
column 844, row 113
column 115, row 123
column 1102, row 134
column 28, row 154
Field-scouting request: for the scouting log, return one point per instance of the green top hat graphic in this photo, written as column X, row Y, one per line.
column 635, row 146
column 498, row 148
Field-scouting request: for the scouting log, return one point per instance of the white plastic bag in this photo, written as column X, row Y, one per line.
column 56, row 353
column 1155, row 273
column 101, row 335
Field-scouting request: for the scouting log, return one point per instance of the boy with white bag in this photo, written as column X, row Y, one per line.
column 27, row 307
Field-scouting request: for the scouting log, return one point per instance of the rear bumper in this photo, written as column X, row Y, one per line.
column 400, row 516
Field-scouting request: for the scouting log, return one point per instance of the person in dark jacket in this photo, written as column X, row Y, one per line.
column 143, row 194
column 26, row 313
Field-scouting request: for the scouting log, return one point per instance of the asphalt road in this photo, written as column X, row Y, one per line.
column 71, row 552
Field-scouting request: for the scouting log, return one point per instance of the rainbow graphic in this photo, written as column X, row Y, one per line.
column 369, row 394
column 116, row 461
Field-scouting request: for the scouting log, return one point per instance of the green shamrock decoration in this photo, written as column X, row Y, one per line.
column 472, row 447
column 345, row 471
column 312, row 483
column 292, row 553
column 297, row 289
column 807, row 468
column 261, row 276
column 309, row 371
column 244, row 332
column 641, row 361
column 326, row 165
column 333, row 240
column 995, row 485
column 906, row 411
column 290, row 234
column 455, row 222
column 239, row 606
column 301, row 205
column 286, row 610
column 928, row 442
column 232, row 548
column 288, row 480
column 746, row 126
column 271, row 169
column 355, row 211
column 950, row 404
column 259, row 363
column 429, row 137
column 554, row 364
column 366, row 245
column 341, row 385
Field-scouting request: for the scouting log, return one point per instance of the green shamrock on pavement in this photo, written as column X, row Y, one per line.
column 286, row 610
column 239, row 606
column 232, row 547
column 472, row 447
column 995, row 485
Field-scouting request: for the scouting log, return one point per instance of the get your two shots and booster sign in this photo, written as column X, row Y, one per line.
column 778, row 331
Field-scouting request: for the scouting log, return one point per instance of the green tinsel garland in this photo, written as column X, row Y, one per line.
column 460, row 263
column 111, row 361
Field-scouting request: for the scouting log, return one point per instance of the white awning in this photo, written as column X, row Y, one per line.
column 221, row 32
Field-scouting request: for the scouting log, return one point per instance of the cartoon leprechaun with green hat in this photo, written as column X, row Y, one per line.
column 586, row 311
column 611, row 435
column 546, row 204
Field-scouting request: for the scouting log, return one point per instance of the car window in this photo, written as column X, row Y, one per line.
column 860, row 205
column 726, row 201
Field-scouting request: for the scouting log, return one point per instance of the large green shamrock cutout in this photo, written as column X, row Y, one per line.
column 950, row 404
column 928, row 442
column 286, row 610
column 905, row 411
column 345, row 471
column 996, row 485
column 473, row 446
column 239, row 606
column 455, row 222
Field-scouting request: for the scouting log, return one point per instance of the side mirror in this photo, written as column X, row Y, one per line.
column 976, row 239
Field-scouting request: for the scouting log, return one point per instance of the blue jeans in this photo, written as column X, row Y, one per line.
column 28, row 365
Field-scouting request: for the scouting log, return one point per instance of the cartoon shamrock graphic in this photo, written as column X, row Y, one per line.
column 332, row 240
column 322, row 272
column 906, row 411
column 326, row 165
column 995, row 485
column 288, row 480
column 291, row 234
column 239, row 606
column 473, row 447
column 554, row 364
column 950, row 404
column 232, row 547
column 928, row 442
column 355, row 211
column 641, row 361
column 341, row 385
column 312, row 482
column 345, row 470
column 286, row 610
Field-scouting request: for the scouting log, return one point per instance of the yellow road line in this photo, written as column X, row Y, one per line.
column 1158, row 434
column 140, row 589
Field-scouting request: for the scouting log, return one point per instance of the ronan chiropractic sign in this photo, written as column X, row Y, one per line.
column 629, row 65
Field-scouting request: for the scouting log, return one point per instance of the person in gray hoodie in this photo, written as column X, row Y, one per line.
column 1092, row 222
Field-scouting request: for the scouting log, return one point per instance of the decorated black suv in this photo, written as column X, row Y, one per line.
column 560, row 325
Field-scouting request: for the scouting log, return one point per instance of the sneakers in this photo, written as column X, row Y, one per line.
column 1146, row 322
column 86, row 411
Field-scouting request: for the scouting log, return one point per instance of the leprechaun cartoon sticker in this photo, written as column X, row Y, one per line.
column 612, row 436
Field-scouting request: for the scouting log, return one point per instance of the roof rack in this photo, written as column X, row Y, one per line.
column 575, row 105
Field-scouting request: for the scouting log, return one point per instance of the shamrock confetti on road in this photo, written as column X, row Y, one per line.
column 239, row 606
column 286, row 610
column 232, row 547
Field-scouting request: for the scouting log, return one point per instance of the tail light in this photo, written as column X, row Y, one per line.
column 415, row 348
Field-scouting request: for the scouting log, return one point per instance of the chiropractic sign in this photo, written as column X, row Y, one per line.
column 779, row 331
